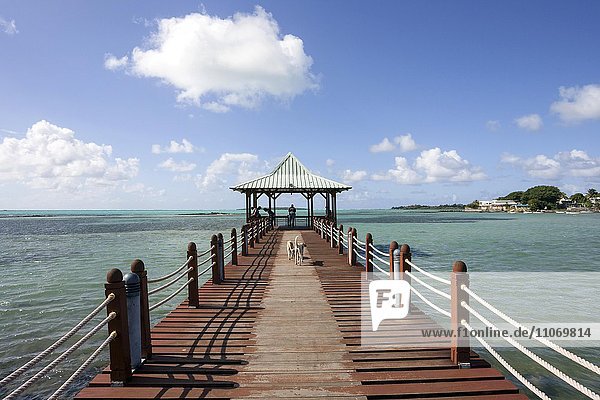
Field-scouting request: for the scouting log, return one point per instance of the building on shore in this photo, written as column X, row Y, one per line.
column 502, row 206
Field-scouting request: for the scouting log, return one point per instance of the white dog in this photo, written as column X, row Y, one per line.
column 295, row 250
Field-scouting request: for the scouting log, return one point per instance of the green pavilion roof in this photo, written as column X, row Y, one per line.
column 291, row 176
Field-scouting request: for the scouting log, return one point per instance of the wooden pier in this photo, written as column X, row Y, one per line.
column 273, row 329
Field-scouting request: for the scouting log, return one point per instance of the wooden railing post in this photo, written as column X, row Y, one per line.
column 257, row 231
column 193, row 297
column 252, row 233
column 214, row 259
column 221, row 253
column 460, row 347
column 393, row 246
column 368, row 253
column 404, row 266
column 245, row 240
column 340, row 240
column 120, row 358
column 351, row 255
column 138, row 268
column 331, row 238
column 234, row 247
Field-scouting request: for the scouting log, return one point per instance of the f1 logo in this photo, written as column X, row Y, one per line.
column 389, row 299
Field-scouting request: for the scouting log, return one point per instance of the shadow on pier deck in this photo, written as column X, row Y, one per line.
column 276, row 330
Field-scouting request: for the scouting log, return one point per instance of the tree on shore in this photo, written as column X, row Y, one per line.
column 516, row 196
column 542, row 197
column 578, row 198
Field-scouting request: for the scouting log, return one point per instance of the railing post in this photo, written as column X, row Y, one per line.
column 234, row 247
column 252, row 234
column 331, row 238
column 137, row 267
column 323, row 230
column 460, row 347
column 404, row 266
column 245, row 240
column 120, row 359
column 214, row 258
column 340, row 240
column 368, row 253
column 394, row 246
column 193, row 296
column 257, row 231
column 221, row 247
column 351, row 254
column 395, row 264
column 132, row 292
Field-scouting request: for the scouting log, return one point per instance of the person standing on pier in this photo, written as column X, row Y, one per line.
column 292, row 216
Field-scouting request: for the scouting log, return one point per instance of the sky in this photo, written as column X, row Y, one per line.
column 165, row 105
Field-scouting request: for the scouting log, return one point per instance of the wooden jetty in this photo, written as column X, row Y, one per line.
column 272, row 329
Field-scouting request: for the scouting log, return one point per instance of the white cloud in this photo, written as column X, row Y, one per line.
column 8, row 27
column 51, row 157
column 575, row 163
column 433, row 165
column 229, row 168
column 493, row 125
column 329, row 162
column 353, row 176
column 113, row 63
column 173, row 166
column 531, row 122
column 184, row 147
column 384, row 146
column 578, row 103
column 405, row 142
column 219, row 63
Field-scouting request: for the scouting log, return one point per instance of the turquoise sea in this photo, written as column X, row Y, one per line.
column 53, row 265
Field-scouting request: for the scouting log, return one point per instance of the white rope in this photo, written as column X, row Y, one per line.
column 573, row 357
column 207, row 268
column 166, row 285
column 228, row 254
column 56, row 344
column 162, row 278
column 575, row 384
column 509, row 367
column 379, row 251
column 356, row 246
column 430, row 304
column 428, row 286
column 83, row 366
column 380, row 270
column 205, row 252
column 163, row 301
column 358, row 255
column 358, row 241
column 437, row 278
column 206, row 260
column 60, row 358
column 380, row 259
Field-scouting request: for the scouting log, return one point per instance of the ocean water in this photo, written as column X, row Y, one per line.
column 53, row 266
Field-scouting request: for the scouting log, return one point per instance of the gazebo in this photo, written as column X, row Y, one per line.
column 290, row 176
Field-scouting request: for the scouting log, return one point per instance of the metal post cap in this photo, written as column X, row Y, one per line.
column 132, row 284
column 396, row 253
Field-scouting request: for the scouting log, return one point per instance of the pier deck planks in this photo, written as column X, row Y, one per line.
column 276, row 330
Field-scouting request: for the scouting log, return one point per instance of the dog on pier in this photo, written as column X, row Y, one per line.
column 295, row 250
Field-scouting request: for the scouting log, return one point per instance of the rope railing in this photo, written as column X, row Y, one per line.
column 358, row 241
column 83, row 366
column 169, row 297
column 430, row 275
column 59, row 342
column 428, row 286
column 572, row 382
column 378, row 251
column 229, row 254
column 573, row 357
column 205, row 252
column 356, row 246
column 162, row 278
column 379, row 269
column 429, row 303
column 166, row 285
column 508, row 367
column 206, row 260
column 207, row 269
column 59, row 359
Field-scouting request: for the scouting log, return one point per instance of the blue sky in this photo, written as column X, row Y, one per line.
column 166, row 104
